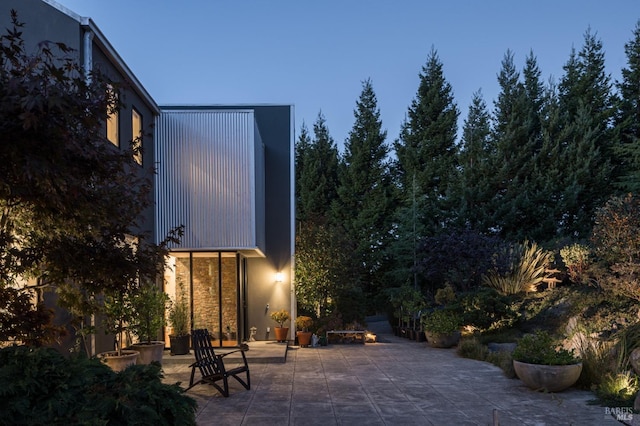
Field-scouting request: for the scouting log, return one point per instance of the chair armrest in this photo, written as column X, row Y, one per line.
column 229, row 353
column 207, row 358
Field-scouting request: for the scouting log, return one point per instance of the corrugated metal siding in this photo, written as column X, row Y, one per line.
column 207, row 178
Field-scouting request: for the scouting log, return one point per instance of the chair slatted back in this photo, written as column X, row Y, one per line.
column 205, row 354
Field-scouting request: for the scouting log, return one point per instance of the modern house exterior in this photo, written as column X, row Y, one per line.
column 224, row 172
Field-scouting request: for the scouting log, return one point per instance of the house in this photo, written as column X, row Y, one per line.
column 224, row 172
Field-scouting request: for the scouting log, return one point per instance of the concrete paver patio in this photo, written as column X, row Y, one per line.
column 392, row 382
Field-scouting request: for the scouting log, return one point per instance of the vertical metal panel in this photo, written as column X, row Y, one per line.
column 207, row 178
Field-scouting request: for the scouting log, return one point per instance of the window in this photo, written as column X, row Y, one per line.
column 136, row 127
column 112, row 117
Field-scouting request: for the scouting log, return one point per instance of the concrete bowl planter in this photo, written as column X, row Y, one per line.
column 119, row 362
column 548, row 378
column 149, row 352
column 543, row 364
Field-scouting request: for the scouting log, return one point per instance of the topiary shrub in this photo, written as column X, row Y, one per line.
column 41, row 386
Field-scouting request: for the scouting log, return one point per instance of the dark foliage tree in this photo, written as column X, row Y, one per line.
column 364, row 203
column 516, row 137
column 70, row 201
column 426, row 150
column 586, row 112
column 473, row 187
column 318, row 172
column 627, row 126
column 474, row 253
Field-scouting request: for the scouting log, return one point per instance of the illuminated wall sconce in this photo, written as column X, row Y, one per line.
column 279, row 277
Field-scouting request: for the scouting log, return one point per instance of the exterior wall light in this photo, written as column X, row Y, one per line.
column 279, row 277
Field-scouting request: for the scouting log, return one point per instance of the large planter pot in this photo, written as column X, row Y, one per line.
column 149, row 352
column 442, row 340
column 119, row 362
column 304, row 338
column 179, row 344
column 549, row 378
column 281, row 333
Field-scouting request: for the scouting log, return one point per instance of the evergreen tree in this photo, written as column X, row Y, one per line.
column 586, row 112
column 364, row 203
column 302, row 151
column 628, row 118
column 318, row 172
column 515, row 139
column 426, row 150
column 473, row 187
column 549, row 168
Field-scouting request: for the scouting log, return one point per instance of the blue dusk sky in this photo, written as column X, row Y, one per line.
column 315, row 55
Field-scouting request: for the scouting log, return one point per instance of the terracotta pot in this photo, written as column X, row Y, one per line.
column 304, row 338
column 548, row 378
column 119, row 362
column 281, row 333
column 442, row 340
column 149, row 352
column 179, row 344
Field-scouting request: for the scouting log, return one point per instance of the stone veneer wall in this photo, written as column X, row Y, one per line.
column 205, row 294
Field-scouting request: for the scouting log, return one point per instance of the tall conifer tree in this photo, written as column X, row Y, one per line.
column 318, row 172
column 363, row 207
column 426, row 151
column 628, row 118
column 586, row 113
column 474, row 188
column 514, row 148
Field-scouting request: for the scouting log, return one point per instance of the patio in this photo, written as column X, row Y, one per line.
column 392, row 382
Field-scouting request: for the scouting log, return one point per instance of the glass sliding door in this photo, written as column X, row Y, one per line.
column 213, row 280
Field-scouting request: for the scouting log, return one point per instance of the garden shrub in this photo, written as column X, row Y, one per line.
column 486, row 309
column 576, row 258
column 618, row 389
column 616, row 233
column 445, row 295
column 540, row 348
column 472, row 348
column 616, row 240
column 521, row 268
column 41, row 386
column 503, row 360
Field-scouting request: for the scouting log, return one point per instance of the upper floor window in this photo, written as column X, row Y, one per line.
column 113, row 133
column 136, row 127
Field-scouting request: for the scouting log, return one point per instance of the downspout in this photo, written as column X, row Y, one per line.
column 292, row 215
column 87, row 66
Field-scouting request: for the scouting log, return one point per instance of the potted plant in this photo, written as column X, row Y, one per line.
column 281, row 331
column 179, row 322
column 304, row 335
column 148, row 305
column 543, row 364
column 117, row 309
column 441, row 327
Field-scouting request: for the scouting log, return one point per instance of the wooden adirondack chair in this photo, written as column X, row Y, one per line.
column 211, row 365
